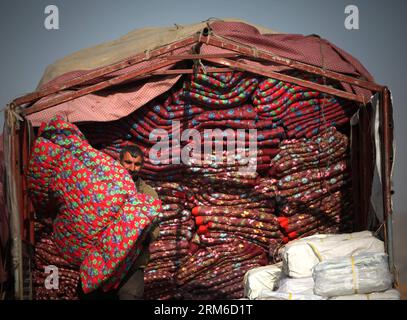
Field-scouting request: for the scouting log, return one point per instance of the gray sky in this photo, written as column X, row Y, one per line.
column 379, row 43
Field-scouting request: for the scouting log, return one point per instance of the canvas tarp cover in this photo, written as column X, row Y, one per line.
column 134, row 42
column 109, row 105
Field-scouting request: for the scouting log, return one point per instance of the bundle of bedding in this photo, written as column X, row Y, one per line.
column 101, row 219
column 324, row 266
column 176, row 228
column 216, row 272
column 294, row 183
column 222, row 224
column 357, row 274
column 313, row 185
column 301, row 111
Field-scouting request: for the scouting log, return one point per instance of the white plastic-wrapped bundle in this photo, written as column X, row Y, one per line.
column 291, row 289
column 300, row 256
column 262, row 278
column 298, row 287
column 362, row 273
column 275, row 295
column 391, row 294
column 302, row 285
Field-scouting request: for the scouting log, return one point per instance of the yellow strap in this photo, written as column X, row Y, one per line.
column 354, row 275
column 316, row 252
column 290, row 296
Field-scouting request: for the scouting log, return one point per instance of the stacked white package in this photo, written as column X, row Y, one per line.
column 358, row 274
column 275, row 295
column 391, row 294
column 290, row 289
column 337, row 267
column 292, row 285
column 298, row 289
column 300, row 256
column 263, row 278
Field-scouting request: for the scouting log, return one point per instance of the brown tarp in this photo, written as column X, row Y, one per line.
column 134, row 42
column 109, row 105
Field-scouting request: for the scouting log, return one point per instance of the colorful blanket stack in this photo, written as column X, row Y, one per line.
column 100, row 217
column 301, row 111
column 216, row 272
column 173, row 243
column 214, row 200
column 224, row 214
column 313, row 184
column 227, row 102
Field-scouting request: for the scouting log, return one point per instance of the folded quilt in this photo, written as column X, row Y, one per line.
column 100, row 216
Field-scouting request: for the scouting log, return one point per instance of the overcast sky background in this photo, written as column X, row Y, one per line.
column 27, row 47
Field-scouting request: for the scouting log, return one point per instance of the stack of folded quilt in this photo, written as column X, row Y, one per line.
column 176, row 228
column 301, row 111
column 312, row 184
column 100, row 218
column 214, row 187
column 224, row 214
column 216, row 272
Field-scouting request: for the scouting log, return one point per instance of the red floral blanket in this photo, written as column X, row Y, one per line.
column 101, row 219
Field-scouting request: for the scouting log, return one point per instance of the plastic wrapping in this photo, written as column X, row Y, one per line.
column 391, row 294
column 275, row 295
column 287, row 288
column 363, row 273
column 300, row 256
column 299, row 286
column 297, row 289
column 262, row 278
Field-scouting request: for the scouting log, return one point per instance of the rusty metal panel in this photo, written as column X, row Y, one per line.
column 13, row 202
column 387, row 126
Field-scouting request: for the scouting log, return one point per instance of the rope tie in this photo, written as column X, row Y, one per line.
column 316, row 251
column 147, row 53
column 202, row 66
column 324, row 183
column 200, row 37
column 255, row 52
column 208, row 37
column 355, row 289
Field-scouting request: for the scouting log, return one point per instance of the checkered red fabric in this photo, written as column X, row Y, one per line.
column 109, row 105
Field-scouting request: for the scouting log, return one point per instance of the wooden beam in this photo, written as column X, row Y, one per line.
column 249, row 51
column 283, row 77
column 201, row 56
column 189, row 71
column 138, row 58
column 96, row 87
